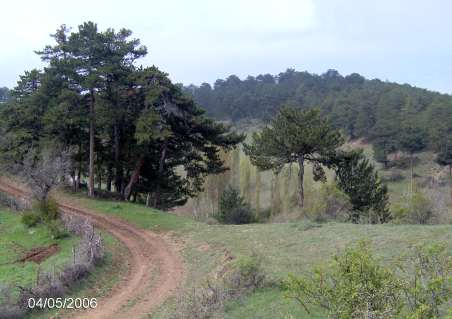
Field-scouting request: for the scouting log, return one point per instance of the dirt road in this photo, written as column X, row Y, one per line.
column 155, row 267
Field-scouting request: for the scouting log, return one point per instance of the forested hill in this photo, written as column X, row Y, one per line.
column 379, row 111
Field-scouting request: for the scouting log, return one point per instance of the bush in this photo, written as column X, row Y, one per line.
column 45, row 211
column 356, row 285
column 330, row 204
column 30, row 219
column 56, row 229
column 430, row 281
column 48, row 209
column 233, row 209
column 352, row 286
column 416, row 209
column 246, row 276
column 208, row 302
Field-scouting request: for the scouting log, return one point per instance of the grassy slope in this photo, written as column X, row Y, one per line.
column 15, row 238
column 286, row 248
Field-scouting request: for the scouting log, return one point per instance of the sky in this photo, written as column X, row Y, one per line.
column 195, row 41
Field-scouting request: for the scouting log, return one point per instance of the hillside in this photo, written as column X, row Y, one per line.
column 384, row 113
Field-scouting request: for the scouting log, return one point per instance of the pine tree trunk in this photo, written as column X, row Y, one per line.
column 99, row 181
column 79, row 176
column 148, row 200
column 79, row 170
column 300, row 181
column 74, row 180
column 91, row 146
column 161, row 168
column 133, row 178
column 109, row 177
column 118, row 169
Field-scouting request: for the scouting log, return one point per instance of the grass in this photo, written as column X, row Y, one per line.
column 16, row 239
column 267, row 303
column 286, row 248
column 139, row 215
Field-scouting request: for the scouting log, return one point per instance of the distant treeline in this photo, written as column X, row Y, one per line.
column 391, row 116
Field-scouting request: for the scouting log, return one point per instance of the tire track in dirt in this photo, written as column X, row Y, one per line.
column 155, row 267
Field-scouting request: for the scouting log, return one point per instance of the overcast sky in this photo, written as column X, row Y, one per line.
column 195, row 41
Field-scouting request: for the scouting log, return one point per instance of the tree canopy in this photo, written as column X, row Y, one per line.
column 127, row 127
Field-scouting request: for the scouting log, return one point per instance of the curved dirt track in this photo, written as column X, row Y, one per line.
column 155, row 267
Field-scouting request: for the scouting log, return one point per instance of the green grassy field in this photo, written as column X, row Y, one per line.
column 285, row 248
column 16, row 239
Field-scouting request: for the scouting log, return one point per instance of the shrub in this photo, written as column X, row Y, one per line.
column 201, row 303
column 428, row 283
column 56, row 229
column 30, row 219
column 415, row 209
column 330, row 204
column 233, row 209
column 356, row 285
column 45, row 211
column 353, row 285
column 246, row 276
column 207, row 302
column 48, row 209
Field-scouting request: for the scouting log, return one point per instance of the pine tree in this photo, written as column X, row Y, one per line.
column 357, row 178
column 294, row 136
column 89, row 59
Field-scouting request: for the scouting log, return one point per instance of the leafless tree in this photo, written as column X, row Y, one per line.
column 44, row 170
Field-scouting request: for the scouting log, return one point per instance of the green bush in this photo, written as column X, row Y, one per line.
column 415, row 209
column 429, row 283
column 48, row 209
column 233, row 209
column 353, row 285
column 356, row 285
column 30, row 219
column 56, row 229
column 247, row 274
column 329, row 204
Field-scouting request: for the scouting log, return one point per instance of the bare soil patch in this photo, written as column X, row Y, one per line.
column 39, row 254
